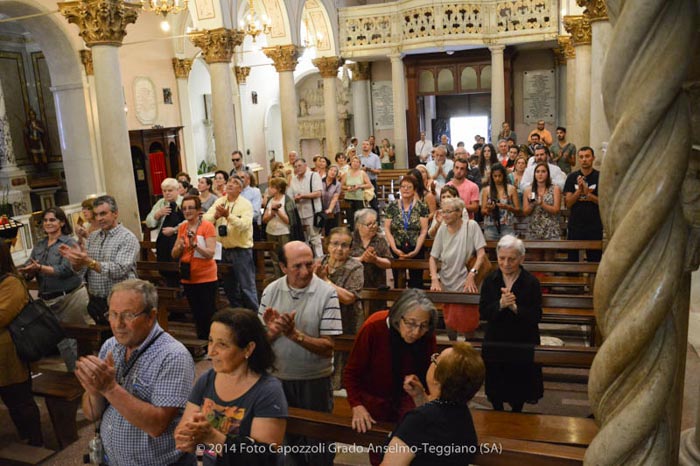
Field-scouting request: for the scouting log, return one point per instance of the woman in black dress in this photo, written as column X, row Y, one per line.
column 511, row 303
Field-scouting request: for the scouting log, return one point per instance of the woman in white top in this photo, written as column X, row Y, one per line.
column 276, row 219
column 206, row 193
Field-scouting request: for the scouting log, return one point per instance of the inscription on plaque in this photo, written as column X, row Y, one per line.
column 539, row 91
column 382, row 105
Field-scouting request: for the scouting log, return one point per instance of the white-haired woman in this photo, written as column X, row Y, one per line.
column 165, row 216
column 511, row 302
column 370, row 248
column 457, row 240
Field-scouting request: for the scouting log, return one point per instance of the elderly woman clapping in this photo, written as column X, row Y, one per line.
column 442, row 418
column 370, row 248
column 165, row 216
column 511, row 302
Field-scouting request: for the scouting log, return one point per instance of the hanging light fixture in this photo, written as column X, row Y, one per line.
column 252, row 26
column 164, row 7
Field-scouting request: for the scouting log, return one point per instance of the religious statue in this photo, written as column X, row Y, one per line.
column 36, row 142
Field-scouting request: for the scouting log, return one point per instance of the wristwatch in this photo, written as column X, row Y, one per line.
column 475, row 271
column 299, row 337
column 92, row 264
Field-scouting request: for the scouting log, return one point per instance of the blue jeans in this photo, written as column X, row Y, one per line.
column 239, row 284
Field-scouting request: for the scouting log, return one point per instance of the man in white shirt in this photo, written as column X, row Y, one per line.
column 502, row 151
column 542, row 155
column 306, row 188
column 423, row 149
column 440, row 166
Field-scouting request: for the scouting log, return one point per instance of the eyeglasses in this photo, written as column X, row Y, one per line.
column 411, row 325
column 235, row 160
column 451, row 211
column 369, row 225
column 186, row 208
column 336, row 244
column 434, row 358
column 125, row 316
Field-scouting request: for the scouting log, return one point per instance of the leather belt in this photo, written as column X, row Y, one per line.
column 57, row 294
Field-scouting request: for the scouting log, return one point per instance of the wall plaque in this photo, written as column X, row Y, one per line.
column 145, row 102
column 382, row 105
column 539, row 96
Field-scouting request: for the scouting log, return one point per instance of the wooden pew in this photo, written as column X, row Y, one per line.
column 554, row 246
column 62, row 393
column 89, row 337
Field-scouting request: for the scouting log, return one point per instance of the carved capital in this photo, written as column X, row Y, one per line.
column 182, row 67
column 242, row 73
column 101, row 22
column 566, row 48
column 360, row 71
column 328, row 66
column 283, row 56
column 86, row 59
column 217, row 44
column 580, row 29
column 596, row 10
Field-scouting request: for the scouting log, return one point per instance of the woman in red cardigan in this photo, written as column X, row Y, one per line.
column 390, row 346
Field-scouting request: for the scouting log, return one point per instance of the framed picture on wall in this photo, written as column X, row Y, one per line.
column 205, row 9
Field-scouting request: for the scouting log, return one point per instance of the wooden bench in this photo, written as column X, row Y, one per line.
column 553, row 246
column 523, row 438
column 89, row 337
column 62, row 393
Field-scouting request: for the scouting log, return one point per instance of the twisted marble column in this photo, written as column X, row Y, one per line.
column 642, row 286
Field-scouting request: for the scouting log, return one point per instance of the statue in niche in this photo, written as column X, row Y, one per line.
column 36, row 142
column 303, row 108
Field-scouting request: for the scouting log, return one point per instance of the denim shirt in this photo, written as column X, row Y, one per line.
column 64, row 278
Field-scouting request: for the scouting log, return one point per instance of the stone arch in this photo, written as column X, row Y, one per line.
column 276, row 10
column 80, row 161
column 318, row 14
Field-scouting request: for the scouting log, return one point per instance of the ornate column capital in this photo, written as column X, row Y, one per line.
column 217, row 44
column 86, row 59
column 566, row 50
column 360, row 70
column 284, row 57
column 597, row 10
column 497, row 48
column 182, row 67
column 101, row 22
column 242, row 73
column 580, row 29
column 328, row 66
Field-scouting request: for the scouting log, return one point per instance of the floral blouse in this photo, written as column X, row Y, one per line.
column 405, row 225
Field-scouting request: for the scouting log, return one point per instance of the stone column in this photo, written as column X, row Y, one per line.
column 361, row 100
column 102, row 26
column 328, row 67
column 689, row 454
column 188, row 157
column 560, row 62
column 580, row 29
column 284, row 58
column 642, row 288
column 601, row 30
column 12, row 178
column 241, row 75
column 218, row 45
column 93, row 119
column 498, row 91
column 570, row 55
column 398, row 83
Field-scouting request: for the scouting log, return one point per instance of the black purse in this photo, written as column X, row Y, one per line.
column 35, row 331
column 319, row 217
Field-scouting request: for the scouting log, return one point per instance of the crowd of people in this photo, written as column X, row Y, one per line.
column 277, row 351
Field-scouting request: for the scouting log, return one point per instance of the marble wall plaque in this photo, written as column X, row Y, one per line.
column 539, row 96
column 382, row 105
column 145, row 102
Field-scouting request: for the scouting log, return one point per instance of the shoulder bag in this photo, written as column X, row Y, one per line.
column 319, row 217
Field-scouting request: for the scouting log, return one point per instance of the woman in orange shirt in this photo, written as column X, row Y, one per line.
column 195, row 247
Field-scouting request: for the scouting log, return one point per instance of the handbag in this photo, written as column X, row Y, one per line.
column 319, row 217
column 368, row 195
column 35, row 331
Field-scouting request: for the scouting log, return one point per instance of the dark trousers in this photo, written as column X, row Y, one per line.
column 578, row 233
column 202, row 299
column 23, row 411
column 316, row 395
column 331, row 222
column 373, row 203
column 415, row 277
column 354, row 207
column 239, row 284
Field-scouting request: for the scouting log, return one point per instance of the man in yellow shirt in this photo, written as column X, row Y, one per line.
column 545, row 135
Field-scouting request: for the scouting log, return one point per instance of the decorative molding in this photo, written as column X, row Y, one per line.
column 242, row 73
column 182, row 67
column 597, row 10
column 284, row 57
column 101, row 22
column 217, row 44
column 565, row 51
column 86, row 59
column 360, row 70
column 328, row 66
column 580, row 29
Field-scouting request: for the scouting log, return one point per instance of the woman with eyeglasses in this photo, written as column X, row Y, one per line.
column 354, row 184
column 370, row 248
column 390, row 347
column 195, row 247
column 442, row 418
column 457, row 240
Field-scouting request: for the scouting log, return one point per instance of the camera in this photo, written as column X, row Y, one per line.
column 173, row 206
column 96, row 452
column 533, row 196
column 190, row 234
column 223, row 230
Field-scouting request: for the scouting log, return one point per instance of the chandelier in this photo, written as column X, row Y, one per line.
column 164, row 7
column 252, row 26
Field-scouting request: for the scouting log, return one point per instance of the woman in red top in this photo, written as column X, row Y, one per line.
column 195, row 247
column 390, row 346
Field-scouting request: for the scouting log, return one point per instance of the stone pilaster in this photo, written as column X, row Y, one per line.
column 242, row 73
column 498, row 90
column 328, row 68
column 217, row 44
column 182, row 67
column 398, row 84
column 361, row 99
column 102, row 25
column 86, row 60
column 284, row 58
column 188, row 159
column 580, row 29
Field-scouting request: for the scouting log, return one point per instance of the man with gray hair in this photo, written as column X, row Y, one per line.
column 140, row 382
column 109, row 258
column 306, row 190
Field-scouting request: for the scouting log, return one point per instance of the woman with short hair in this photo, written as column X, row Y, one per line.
column 278, row 218
column 220, row 180
column 355, row 182
column 164, row 218
column 370, row 248
column 511, row 303
column 330, row 199
column 86, row 223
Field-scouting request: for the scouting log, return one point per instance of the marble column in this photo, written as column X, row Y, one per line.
column 560, row 62
column 570, row 56
column 328, row 67
column 398, row 84
column 93, row 120
column 689, row 450
column 188, row 157
column 12, row 178
column 217, row 46
column 361, row 100
column 580, row 29
column 241, row 75
column 498, row 91
column 102, row 26
column 284, row 57
column 601, row 30
column 648, row 191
